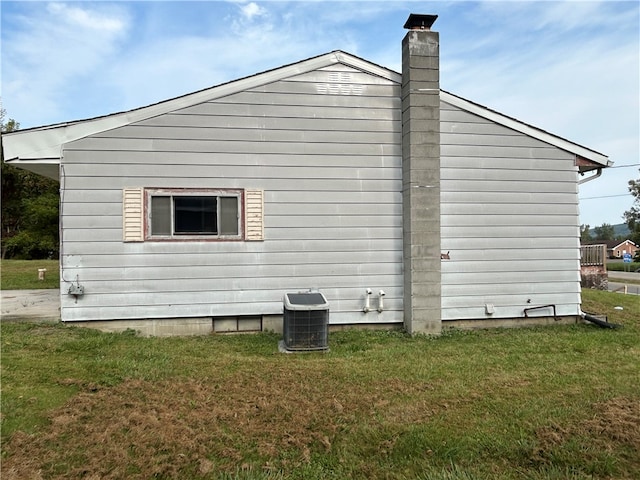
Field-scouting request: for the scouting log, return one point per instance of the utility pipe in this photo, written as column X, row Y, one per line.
column 381, row 295
column 367, row 304
column 601, row 323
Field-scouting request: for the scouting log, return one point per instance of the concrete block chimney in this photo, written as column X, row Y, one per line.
column 421, row 176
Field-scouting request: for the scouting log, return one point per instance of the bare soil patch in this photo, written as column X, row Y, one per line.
column 615, row 422
column 185, row 427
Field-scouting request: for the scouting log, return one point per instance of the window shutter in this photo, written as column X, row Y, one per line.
column 132, row 215
column 254, row 215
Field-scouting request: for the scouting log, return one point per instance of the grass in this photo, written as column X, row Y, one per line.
column 23, row 274
column 538, row 403
column 623, row 267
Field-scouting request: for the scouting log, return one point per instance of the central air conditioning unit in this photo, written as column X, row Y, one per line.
column 306, row 321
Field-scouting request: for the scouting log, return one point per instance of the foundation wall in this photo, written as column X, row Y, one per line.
column 274, row 323
column 594, row 276
column 510, row 322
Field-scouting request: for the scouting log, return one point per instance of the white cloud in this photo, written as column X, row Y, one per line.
column 568, row 67
column 250, row 18
column 571, row 15
column 571, row 68
column 251, row 10
column 574, row 84
column 49, row 51
column 168, row 53
column 86, row 19
column 240, row 46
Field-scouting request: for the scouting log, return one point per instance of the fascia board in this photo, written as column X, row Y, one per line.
column 363, row 65
column 47, row 142
column 529, row 130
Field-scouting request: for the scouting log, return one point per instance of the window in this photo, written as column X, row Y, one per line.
column 195, row 214
column 158, row 214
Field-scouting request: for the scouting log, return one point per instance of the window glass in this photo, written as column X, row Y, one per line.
column 228, row 215
column 160, row 215
column 195, row 215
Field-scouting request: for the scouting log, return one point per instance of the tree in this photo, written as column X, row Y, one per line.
column 604, row 232
column 30, row 209
column 585, row 234
column 632, row 216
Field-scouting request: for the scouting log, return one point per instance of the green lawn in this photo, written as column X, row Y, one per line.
column 623, row 267
column 559, row 402
column 23, row 274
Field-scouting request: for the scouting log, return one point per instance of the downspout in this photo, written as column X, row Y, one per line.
column 597, row 321
column 584, row 315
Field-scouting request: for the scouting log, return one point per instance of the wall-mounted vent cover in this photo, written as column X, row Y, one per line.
column 132, row 216
column 306, row 321
column 254, row 211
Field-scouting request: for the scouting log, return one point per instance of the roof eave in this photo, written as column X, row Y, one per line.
column 596, row 159
column 25, row 148
column 46, row 142
column 46, row 167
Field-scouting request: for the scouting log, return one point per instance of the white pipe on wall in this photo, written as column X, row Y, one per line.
column 381, row 295
column 367, row 303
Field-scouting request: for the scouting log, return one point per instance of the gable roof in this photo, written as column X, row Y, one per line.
column 618, row 243
column 610, row 244
column 39, row 149
column 586, row 154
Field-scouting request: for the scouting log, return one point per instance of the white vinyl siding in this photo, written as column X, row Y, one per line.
column 319, row 157
column 509, row 209
column 319, row 154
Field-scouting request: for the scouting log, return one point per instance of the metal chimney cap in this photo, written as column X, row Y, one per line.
column 420, row 22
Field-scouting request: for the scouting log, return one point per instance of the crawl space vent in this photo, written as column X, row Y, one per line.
column 306, row 321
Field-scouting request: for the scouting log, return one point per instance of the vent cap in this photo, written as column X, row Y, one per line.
column 420, row 22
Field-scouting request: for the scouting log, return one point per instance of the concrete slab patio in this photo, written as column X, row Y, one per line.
column 30, row 305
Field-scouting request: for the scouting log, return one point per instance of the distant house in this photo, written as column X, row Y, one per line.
column 198, row 213
column 616, row 248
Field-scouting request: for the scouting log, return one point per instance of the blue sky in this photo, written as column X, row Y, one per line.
column 570, row 67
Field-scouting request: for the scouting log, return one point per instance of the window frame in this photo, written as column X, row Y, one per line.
column 194, row 192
